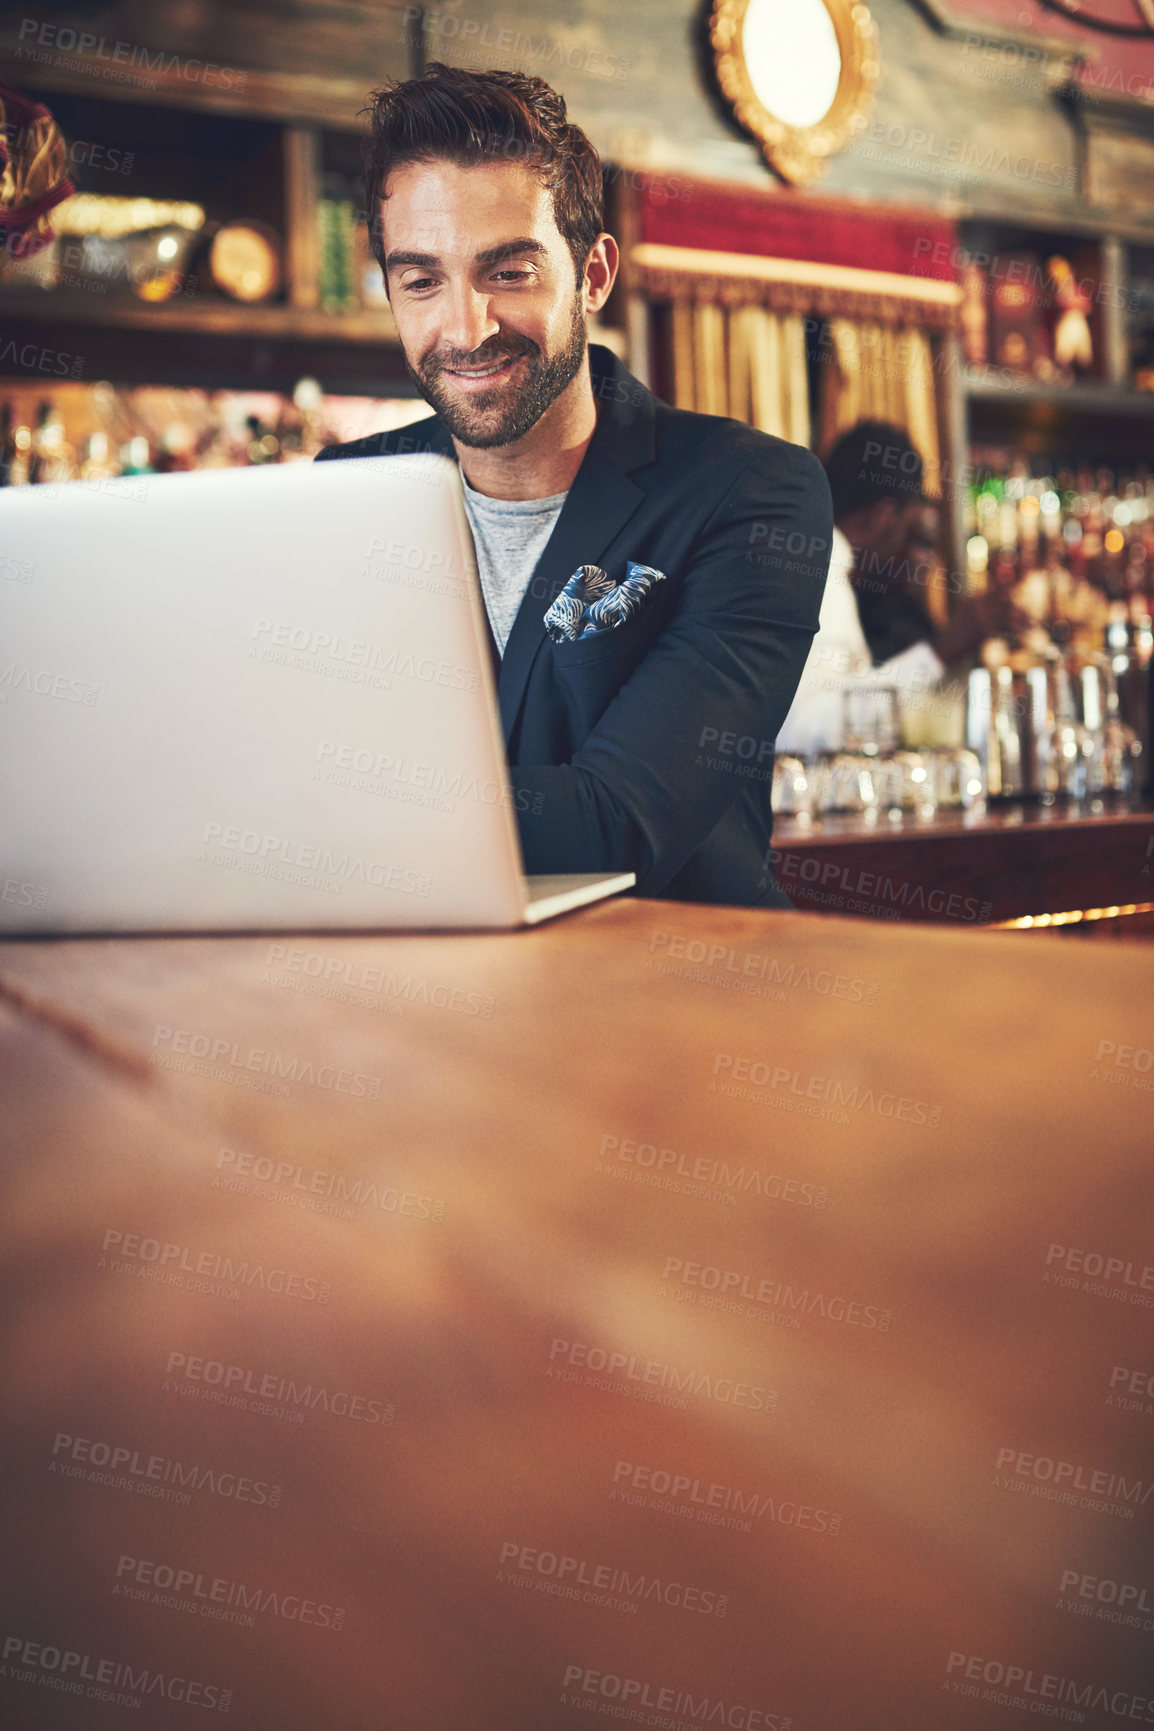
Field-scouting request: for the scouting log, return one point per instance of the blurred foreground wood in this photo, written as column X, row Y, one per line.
column 689, row 1315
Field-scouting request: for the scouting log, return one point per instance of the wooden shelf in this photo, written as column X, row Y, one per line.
column 293, row 98
column 77, row 307
column 1097, row 399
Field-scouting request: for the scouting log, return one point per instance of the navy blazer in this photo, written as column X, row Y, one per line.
column 650, row 746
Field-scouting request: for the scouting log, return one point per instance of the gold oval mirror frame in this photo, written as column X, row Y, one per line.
column 798, row 153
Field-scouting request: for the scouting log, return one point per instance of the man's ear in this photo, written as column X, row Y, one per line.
column 600, row 272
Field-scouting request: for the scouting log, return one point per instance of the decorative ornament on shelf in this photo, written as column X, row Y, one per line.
column 138, row 245
column 798, row 74
column 245, row 261
column 1072, row 344
column 975, row 314
column 33, row 173
column 1019, row 339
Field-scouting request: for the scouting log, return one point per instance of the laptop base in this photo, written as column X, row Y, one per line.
column 558, row 893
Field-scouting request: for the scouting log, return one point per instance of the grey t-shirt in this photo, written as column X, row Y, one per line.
column 509, row 536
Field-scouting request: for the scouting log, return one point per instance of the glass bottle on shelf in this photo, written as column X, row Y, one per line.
column 1042, row 764
column 1128, row 653
column 20, row 461
column 98, row 464
column 1072, row 748
column 177, row 451
column 1122, row 745
column 51, row 456
column 1006, row 735
column 263, row 446
column 308, row 401
column 136, row 456
column 1093, row 729
column 979, row 730
column 37, row 459
column 992, row 732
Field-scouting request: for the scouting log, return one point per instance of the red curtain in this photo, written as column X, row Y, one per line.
column 676, row 211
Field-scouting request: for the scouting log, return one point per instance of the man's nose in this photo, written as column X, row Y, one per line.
column 468, row 321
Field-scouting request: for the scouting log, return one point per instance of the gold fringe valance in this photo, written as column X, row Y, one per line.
column 793, row 286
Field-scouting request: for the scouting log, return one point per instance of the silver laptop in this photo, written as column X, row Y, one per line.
column 255, row 699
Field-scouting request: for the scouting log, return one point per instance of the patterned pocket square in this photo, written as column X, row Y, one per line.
column 592, row 602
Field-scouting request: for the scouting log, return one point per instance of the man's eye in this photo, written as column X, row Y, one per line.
column 417, row 285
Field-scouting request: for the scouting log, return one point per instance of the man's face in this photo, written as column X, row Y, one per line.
column 920, row 553
column 894, row 520
column 491, row 321
column 922, row 529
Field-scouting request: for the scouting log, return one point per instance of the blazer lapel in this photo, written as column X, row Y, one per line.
column 600, row 503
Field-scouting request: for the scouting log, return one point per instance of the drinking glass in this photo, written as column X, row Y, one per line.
column 870, row 720
column 958, row 779
column 849, row 781
column 793, row 792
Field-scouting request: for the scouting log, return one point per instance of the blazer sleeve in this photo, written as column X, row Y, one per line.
column 641, row 794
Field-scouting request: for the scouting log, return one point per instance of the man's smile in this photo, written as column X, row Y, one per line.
column 474, row 378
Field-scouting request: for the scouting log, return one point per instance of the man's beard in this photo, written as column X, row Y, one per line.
column 472, row 422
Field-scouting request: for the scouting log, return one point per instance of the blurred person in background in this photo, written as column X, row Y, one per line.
column 876, row 628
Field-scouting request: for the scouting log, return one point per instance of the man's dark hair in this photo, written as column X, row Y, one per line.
column 451, row 115
column 873, row 461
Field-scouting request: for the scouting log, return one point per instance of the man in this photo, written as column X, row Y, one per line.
column 876, row 629
column 647, row 746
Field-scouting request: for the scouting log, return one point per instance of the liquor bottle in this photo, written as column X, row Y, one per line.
column 1088, row 531
column 1122, row 746
column 97, row 464
column 1093, row 729
column 40, row 461
column 991, row 730
column 1072, row 748
column 308, row 401
column 1041, row 774
column 979, row 730
column 263, row 446
column 1128, row 649
column 1006, row 737
column 136, row 456
column 53, row 459
column 21, row 459
column 337, row 219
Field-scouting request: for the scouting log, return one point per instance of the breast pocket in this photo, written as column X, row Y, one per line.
column 591, row 670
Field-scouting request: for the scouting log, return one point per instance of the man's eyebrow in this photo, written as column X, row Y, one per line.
column 491, row 255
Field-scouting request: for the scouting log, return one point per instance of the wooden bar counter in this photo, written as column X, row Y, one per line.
column 965, row 868
column 676, row 1315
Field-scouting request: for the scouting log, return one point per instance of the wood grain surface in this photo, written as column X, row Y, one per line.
column 683, row 1315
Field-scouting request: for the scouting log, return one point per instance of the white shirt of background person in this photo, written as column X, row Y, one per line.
column 839, row 660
